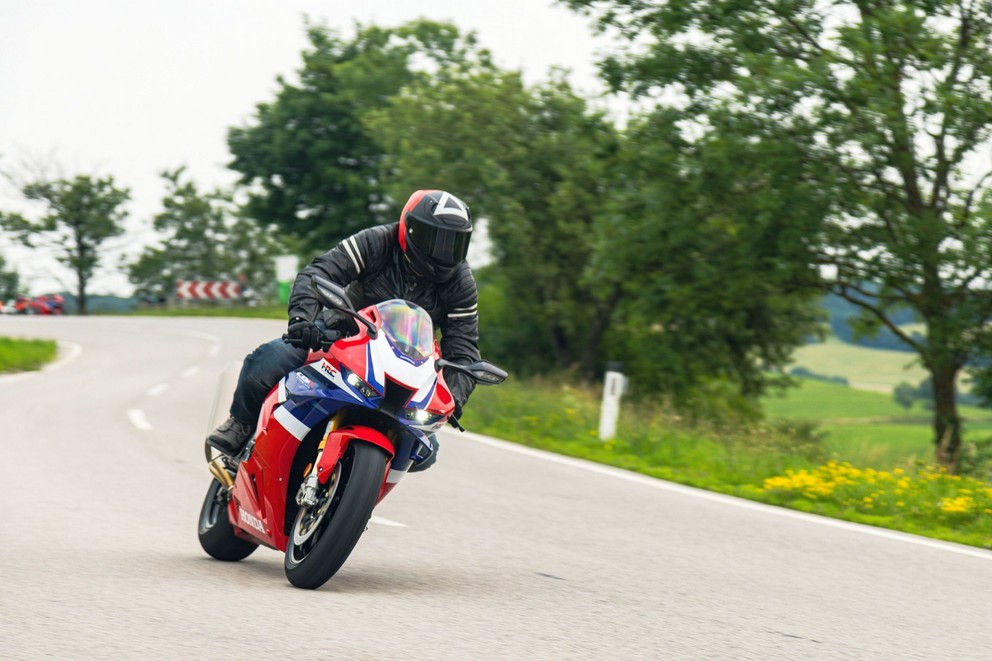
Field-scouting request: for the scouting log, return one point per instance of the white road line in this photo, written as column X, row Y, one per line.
column 210, row 337
column 190, row 371
column 386, row 522
column 155, row 391
column 138, row 419
column 618, row 473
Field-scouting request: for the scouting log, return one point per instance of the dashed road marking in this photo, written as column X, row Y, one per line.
column 138, row 419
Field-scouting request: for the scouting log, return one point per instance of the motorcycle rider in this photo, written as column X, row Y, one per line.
column 420, row 259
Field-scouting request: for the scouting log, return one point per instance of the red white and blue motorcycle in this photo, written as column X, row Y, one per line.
column 333, row 438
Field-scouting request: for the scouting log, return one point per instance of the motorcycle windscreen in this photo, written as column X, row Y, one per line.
column 408, row 328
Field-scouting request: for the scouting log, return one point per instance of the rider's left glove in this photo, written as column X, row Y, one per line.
column 303, row 333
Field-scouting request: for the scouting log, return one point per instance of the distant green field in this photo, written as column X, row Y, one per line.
column 868, row 428
column 819, row 400
column 864, row 368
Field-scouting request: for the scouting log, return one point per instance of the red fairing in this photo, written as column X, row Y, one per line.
column 260, row 509
column 339, row 440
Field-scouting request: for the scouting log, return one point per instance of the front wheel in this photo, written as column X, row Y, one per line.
column 216, row 532
column 323, row 537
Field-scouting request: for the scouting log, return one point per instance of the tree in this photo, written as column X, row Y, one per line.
column 535, row 164
column 310, row 165
column 905, row 395
column 204, row 237
column 708, row 238
column 891, row 103
column 10, row 283
column 81, row 214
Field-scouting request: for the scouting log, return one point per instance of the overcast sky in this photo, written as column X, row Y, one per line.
column 130, row 87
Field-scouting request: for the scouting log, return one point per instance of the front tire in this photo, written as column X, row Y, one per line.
column 216, row 532
column 322, row 538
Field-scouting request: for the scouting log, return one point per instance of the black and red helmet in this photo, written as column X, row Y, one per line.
column 435, row 230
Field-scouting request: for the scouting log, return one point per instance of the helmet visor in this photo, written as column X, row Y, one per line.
column 442, row 245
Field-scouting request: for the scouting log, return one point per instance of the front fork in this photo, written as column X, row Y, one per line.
column 306, row 496
column 308, row 493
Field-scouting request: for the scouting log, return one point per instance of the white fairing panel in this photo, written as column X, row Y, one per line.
column 387, row 362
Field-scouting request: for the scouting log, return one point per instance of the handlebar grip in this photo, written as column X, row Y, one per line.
column 329, row 337
column 287, row 340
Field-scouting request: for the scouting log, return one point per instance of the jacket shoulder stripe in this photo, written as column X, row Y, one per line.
column 351, row 253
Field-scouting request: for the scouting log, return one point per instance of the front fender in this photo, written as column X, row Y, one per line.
column 339, row 440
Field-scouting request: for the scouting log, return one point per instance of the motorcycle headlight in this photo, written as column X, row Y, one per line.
column 422, row 416
column 359, row 384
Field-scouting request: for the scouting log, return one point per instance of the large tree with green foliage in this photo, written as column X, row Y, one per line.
column 707, row 238
column 204, row 236
column 535, row 164
column 80, row 215
column 309, row 164
column 891, row 104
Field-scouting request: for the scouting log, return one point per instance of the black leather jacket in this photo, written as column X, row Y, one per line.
column 374, row 268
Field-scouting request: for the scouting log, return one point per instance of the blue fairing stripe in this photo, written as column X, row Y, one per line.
column 427, row 398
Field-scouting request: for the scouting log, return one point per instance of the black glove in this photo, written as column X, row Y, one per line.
column 303, row 333
column 458, row 410
column 337, row 320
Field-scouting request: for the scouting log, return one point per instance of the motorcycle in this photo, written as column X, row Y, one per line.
column 333, row 439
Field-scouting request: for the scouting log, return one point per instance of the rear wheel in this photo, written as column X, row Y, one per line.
column 216, row 532
column 323, row 537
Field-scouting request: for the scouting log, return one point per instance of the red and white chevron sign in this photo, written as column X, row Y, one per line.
column 207, row 290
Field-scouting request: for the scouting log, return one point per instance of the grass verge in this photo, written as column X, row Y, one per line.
column 268, row 311
column 785, row 463
column 17, row 355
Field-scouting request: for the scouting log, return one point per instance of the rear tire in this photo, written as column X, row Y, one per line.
column 216, row 532
column 322, row 538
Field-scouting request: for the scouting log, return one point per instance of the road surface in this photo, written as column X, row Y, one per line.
column 498, row 552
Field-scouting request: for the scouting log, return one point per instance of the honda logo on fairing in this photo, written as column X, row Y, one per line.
column 251, row 520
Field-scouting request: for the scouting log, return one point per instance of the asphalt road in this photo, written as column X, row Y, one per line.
column 498, row 552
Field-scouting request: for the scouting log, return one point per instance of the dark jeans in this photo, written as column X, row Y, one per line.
column 261, row 370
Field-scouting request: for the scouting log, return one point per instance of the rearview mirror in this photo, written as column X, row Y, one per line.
column 331, row 294
column 483, row 372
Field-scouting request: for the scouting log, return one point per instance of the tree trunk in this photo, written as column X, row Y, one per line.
column 946, row 424
column 559, row 340
column 601, row 322
column 81, row 295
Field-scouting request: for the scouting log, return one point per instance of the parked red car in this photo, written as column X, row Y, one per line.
column 44, row 304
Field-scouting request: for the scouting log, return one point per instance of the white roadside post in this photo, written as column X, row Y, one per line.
column 614, row 385
column 286, row 269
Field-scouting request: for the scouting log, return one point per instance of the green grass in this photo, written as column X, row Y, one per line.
column 879, row 446
column 18, row 355
column 783, row 462
column 820, row 400
column 269, row 311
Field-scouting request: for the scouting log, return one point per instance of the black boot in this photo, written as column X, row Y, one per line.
column 425, row 458
column 231, row 437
